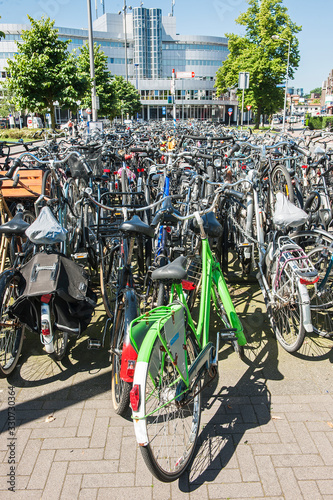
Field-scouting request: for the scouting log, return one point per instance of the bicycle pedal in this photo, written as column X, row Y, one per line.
column 94, row 344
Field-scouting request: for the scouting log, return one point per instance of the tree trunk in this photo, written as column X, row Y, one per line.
column 257, row 120
column 52, row 111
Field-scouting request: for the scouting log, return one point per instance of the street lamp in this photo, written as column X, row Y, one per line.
column 277, row 37
column 92, row 64
column 125, row 32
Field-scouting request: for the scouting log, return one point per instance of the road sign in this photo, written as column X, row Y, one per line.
column 230, row 110
column 243, row 80
column 248, row 107
column 88, row 111
column 163, row 110
column 185, row 74
column 229, row 113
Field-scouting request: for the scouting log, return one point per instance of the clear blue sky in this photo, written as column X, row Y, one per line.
column 209, row 17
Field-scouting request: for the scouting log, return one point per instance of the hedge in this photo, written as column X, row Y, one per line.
column 319, row 122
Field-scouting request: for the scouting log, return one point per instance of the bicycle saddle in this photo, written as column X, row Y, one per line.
column 15, row 226
column 212, row 227
column 135, row 225
column 173, row 271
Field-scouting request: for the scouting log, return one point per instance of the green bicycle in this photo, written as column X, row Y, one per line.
column 174, row 355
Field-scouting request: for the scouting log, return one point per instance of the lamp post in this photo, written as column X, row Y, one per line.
column 277, row 37
column 92, row 64
column 125, row 32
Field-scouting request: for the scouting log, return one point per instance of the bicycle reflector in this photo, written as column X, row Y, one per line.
column 46, row 298
column 188, row 285
column 135, row 397
column 305, row 281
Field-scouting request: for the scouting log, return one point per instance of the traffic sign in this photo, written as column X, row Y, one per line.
column 243, row 80
column 230, row 110
column 88, row 111
column 185, row 74
column 248, row 107
column 229, row 113
column 163, row 110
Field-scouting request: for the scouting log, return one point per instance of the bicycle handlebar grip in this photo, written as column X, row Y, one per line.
column 16, row 163
column 203, row 156
column 87, row 167
column 138, row 150
column 302, row 151
column 157, row 218
column 234, row 149
column 235, row 194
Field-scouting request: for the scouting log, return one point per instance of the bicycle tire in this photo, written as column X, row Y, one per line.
column 322, row 300
column 11, row 331
column 60, row 343
column 287, row 316
column 108, row 277
column 119, row 388
column 49, row 187
column 281, row 181
column 173, row 428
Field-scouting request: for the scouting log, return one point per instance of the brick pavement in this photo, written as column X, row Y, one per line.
column 266, row 429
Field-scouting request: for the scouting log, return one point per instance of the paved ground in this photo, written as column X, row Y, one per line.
column 266, row 432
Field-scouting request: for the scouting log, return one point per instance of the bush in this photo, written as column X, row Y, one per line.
column 17, row 133
column 320, row 122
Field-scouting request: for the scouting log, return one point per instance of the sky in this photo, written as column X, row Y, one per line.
column 208, row 17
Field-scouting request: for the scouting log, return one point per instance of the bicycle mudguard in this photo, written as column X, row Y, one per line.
column 168, row 324
column 129, row 353
column 306, row 310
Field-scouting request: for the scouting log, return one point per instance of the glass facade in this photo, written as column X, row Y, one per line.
column 147, row 34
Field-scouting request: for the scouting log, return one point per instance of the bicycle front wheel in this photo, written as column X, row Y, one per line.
column 171, row 427
column 287, row 315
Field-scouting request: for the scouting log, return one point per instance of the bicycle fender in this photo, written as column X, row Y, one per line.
column 306, row 310
column 129, row 354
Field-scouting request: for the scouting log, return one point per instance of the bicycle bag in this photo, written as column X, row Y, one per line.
column 66, row 281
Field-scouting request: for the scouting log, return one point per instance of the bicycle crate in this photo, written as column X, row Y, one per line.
column 32, row 178
column 194, row 270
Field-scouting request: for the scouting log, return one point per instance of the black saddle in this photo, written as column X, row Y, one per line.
column 15, row 226
column 212, row 227
column 135, row 225
column 175, row 271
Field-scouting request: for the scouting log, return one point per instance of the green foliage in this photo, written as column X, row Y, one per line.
column 43, row 71
column 104, row 88
column 2, row 35
column 128, row 99
column 265, row 59
column 317, row 90
column 17, row 133
column 319, row 122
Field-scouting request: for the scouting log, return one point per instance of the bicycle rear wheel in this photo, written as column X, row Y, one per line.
column 287, row 315
column 11, row 331
column 171, row 427
column 321, row 295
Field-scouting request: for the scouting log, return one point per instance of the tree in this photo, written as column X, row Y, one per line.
column 317, row 90
column 128, row 99
column 265, row 59
column 43, row 71
column 2, row 35
column 104, row 88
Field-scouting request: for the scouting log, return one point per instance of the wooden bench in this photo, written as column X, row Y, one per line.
column 32, row 178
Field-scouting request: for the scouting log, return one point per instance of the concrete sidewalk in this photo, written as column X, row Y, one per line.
column 266, row 430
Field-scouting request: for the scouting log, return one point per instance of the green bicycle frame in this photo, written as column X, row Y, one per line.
column 146, row 329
